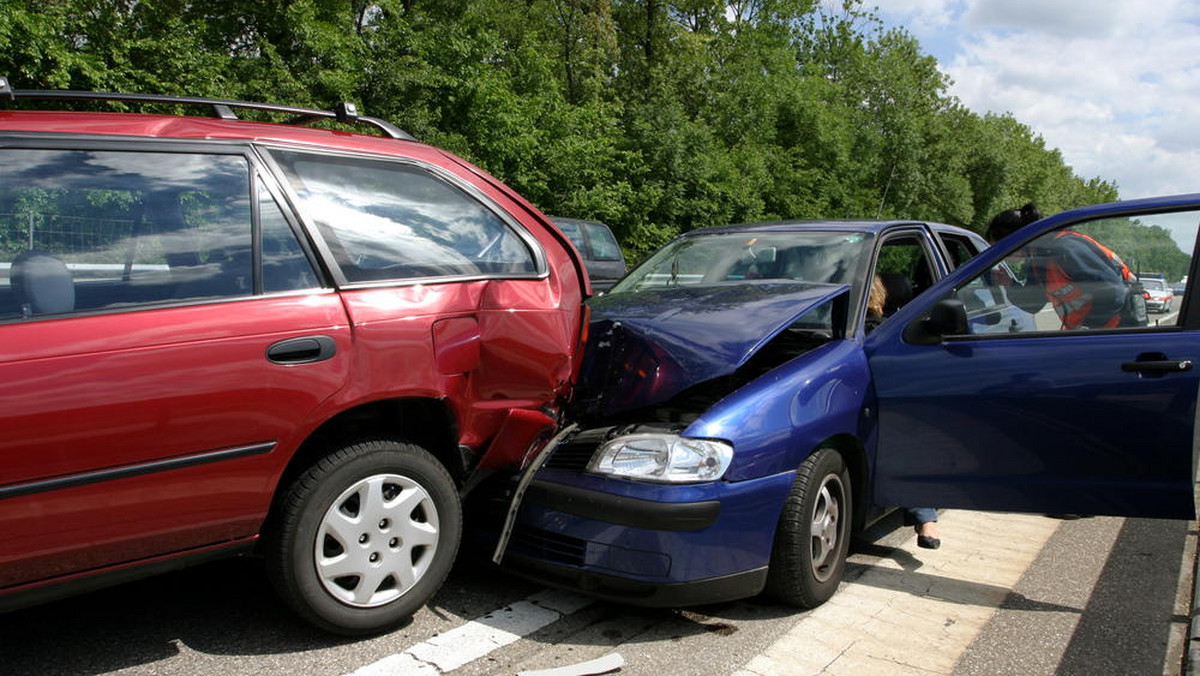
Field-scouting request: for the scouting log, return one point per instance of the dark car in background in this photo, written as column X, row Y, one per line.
column 736, row 420
column 601, row 253
column 229, row 337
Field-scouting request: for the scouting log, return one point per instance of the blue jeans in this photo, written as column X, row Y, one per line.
column 915, row 516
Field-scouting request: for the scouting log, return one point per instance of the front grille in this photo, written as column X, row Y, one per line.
column 574, row 457
column 548, row 546
column 575, row 452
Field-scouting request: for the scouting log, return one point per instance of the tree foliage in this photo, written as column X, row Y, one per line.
column 656, row 116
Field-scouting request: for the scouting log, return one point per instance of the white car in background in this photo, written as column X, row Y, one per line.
column 1159, row 296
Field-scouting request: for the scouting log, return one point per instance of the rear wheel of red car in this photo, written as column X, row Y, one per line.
column 365, row 537
column 813, row 535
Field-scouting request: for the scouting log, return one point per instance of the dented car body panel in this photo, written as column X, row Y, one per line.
column 648, row 347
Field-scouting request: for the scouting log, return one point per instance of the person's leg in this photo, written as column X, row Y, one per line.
column 924, row 519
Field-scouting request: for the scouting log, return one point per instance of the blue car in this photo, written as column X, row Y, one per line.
column 746, row 405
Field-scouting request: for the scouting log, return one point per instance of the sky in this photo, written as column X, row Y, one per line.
column 1114, row 85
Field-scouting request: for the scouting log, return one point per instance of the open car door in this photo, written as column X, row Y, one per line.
column 1028, row 380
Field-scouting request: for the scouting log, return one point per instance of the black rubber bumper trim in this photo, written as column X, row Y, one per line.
column 113, row 474
column 741, row 585
column 622, row 510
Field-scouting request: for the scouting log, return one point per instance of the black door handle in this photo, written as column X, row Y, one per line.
column 304, row 350
column 1157, row 366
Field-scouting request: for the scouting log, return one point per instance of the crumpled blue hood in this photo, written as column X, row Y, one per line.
column 645, row 347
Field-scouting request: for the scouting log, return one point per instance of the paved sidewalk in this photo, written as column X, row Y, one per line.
column 962, row 609
column 903, row 622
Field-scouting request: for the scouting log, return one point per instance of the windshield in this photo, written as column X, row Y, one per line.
column 810, row 256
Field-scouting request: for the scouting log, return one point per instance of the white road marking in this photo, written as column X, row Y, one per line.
column 461, row 645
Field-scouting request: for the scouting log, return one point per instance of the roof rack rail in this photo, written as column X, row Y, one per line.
column 345, row 112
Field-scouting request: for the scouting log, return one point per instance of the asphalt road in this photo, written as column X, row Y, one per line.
column 1006, row 594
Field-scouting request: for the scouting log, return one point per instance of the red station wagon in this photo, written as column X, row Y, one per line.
column 224, row 336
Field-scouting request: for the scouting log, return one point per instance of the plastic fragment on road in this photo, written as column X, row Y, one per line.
column 601, row 665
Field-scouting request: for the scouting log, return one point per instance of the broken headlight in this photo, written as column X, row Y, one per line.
column 664, row 458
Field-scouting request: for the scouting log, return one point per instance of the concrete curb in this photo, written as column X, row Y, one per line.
column 1192, row 653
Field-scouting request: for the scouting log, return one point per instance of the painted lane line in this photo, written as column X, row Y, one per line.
column 471, row 641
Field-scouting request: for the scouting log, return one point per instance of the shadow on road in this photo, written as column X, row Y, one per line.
column 964, row 592
column 1128, row 618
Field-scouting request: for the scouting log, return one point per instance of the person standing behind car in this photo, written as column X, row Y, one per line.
column 1087, row 283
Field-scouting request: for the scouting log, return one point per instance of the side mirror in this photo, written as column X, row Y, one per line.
column 947, row 317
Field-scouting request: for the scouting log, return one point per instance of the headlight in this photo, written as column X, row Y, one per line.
column 664, row 458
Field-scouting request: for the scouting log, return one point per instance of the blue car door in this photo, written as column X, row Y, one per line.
column 1029, row 380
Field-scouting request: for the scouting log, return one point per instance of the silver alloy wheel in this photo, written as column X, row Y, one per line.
column 376, row 540
column 826, row 527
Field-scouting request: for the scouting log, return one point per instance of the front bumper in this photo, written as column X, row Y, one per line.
column 623, row 589
column 647, row 544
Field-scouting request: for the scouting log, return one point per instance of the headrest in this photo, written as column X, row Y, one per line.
column 899, row 289
column 42, row 283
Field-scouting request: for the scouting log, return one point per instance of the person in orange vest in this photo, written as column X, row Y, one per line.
column 1087, row 283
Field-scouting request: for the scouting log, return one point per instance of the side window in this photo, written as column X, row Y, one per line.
column 961, row 249
column 1111, row 273
column 285, row 267
column 575, row 233
column 88, row 230
column 604, row 244
column 388, row 220
column 904, row 270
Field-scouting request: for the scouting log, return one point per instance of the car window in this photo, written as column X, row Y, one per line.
column 1082, row 276
column 573, row 232
column 604, row 244
column 284, row 265
column 960, row 248
column 390, row 220
column 904, row 268
column 88, row 229
column 810, row 256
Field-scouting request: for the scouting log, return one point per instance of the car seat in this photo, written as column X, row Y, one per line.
column 42, row 284
column 899, row 291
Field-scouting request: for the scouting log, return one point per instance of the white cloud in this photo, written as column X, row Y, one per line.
column 1113, row 84
column 923, row 16
column 1061, row 18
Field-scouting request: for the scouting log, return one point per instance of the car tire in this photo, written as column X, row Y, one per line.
column 365, row 537
column 812, row 539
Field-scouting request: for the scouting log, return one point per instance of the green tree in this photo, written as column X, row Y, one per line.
column 656, row 116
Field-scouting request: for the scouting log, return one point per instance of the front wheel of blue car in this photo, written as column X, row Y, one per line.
column 813, row 535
